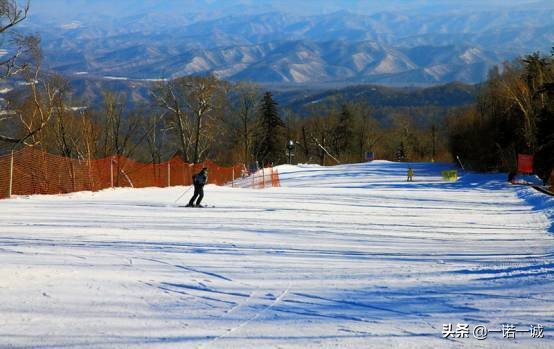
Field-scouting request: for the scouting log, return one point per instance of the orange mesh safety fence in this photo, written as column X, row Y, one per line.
column 275, row 181
column 263, row 178
column 31, row 171
column 4, row 175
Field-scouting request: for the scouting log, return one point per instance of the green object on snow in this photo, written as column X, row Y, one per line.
column 451, row 175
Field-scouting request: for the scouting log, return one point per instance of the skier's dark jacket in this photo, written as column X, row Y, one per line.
column 200, row 179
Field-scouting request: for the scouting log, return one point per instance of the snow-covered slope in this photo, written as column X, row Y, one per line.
column 350, row 256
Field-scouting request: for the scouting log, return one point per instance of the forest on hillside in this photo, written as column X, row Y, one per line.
column 513, row 114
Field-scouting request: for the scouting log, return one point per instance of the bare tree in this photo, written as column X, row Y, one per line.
column 320, row 132
column 63, row 118
column 11, row 14
column 26, row 49
column 35, row 112
column 247, row 97
column 204, row 95
column 193, row 102
column 152, row 128
column 117, row 129
column 170, row 96
column 521, row 96
column 85, row 144
column 368, row 130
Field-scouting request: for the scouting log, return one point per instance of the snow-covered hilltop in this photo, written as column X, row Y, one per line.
column 396, row 42
column 350, row 256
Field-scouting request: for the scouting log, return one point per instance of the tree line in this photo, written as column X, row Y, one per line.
column 513, row 114
column 202, row 117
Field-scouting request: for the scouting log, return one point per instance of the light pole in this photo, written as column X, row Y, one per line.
column 290, row 147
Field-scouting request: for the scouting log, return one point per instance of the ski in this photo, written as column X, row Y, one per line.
column 203, row 206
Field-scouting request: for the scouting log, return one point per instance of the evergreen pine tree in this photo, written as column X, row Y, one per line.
column 344, row 131
column 401, row 152
column 270, row 141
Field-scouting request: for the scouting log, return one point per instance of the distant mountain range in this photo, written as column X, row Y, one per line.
column 441, row 96
column 88, row 91
column 294, row 62
column 401, row 47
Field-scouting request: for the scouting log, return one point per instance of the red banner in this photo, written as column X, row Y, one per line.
column 524, row 163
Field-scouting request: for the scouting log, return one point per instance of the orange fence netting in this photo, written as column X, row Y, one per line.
column 260, row 179
column 31, row 171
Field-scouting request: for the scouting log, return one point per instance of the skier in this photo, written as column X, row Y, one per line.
column 410, row 174
column 199, row 180
column 512, row 177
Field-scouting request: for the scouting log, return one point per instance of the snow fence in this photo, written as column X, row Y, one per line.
column 263, row 178
column 31, row 171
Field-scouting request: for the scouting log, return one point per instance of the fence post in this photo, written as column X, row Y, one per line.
column 233, row 181
column 169, row 174
column 111, row 171
column 11, row 176
column 263, row 178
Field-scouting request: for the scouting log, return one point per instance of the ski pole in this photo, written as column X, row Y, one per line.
column 180, row 197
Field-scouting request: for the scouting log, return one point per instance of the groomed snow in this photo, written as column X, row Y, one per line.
column 350, row 256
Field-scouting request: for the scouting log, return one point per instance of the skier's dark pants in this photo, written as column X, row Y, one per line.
column 198, row 193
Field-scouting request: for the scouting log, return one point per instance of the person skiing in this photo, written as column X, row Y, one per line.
column 198, row 180
column 410, row 174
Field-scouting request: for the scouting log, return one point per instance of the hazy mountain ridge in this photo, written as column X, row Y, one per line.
column 292, row 62
column 88, row 91
column 443, row 96
column 278, row 47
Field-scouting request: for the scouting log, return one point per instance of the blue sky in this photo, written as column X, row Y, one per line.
column 115, row 8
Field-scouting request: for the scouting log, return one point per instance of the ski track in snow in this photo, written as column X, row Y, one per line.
column 350, row 256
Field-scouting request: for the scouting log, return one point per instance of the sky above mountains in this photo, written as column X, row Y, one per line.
column 66, row 9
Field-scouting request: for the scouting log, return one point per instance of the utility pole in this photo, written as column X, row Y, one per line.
column 290, row 147
column 11, row 176
column 433, row 132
